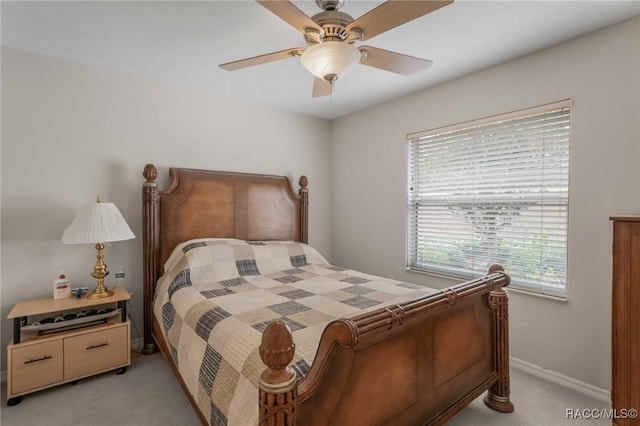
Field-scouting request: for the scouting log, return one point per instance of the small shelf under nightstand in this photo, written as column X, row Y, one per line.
column 38, row 360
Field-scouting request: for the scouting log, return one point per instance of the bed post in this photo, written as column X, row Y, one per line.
column 150, row 251
column 278, row 382
column 304, row 209
column 497, row 397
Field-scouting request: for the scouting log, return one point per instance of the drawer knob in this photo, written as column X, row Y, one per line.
column 97, row 346
column 38, row 359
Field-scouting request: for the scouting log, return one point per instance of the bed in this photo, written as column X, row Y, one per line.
column 260, row 329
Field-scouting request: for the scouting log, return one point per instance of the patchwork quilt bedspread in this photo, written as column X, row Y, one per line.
column 218, row 295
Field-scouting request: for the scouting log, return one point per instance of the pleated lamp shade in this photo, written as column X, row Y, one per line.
column 97, row 223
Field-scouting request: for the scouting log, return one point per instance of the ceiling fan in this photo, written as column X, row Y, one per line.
column 331, row 35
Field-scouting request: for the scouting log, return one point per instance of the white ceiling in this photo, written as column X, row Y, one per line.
column 183, row 43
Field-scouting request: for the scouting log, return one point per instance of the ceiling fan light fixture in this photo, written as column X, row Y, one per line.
column 330, row 60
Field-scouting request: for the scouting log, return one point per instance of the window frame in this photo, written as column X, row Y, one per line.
column 411, row 252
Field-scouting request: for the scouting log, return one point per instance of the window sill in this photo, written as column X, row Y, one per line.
column 562, row 299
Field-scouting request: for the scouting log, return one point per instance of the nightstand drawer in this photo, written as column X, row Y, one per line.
column 97, row 351
column 35, row 366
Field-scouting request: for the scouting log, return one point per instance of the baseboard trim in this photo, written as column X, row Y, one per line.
column 568, row 382
column 136, row 345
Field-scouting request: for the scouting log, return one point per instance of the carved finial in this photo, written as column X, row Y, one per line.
column 150, row 173
column 503, row 282
column 495, row 267
column 277, row 346
column 303, row 182
column 277, row 350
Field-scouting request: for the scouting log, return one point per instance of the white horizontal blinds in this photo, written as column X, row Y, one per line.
column 493, row 193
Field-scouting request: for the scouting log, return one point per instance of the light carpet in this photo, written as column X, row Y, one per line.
column 149, row 394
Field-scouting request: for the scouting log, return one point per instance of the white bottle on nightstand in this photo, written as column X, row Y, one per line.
column 122, row 282
column 120, row 278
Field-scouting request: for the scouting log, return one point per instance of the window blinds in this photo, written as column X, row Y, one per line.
column 493, row 191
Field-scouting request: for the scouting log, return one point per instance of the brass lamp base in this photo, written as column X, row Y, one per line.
column 99, row 273
column 100, row 292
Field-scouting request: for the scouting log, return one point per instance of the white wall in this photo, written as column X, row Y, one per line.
column 72, row 131
column 601, row 73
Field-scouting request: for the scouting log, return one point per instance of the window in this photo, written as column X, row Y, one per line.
column 493, row 191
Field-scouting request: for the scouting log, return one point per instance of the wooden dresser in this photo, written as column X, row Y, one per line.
column 625, row 380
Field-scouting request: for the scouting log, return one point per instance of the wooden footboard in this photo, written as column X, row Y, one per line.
column 415, row 363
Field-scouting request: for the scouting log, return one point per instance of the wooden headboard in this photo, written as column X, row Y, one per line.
column 202, row 203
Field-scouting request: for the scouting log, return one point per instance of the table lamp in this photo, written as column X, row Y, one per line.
column 98, row 223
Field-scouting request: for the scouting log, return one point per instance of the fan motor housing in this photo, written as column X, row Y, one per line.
column 332, row 17
column 333, row 24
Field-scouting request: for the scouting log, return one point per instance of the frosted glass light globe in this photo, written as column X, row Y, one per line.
column 330, row 60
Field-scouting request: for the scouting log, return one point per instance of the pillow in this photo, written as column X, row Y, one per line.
column 213, row 259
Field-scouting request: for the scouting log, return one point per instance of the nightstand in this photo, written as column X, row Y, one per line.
column 45, row 355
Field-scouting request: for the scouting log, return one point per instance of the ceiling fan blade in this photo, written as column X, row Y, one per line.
column 289, row 13
column 392, row 61
column 262, row 59
column 393, row 13
column 321, row 88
